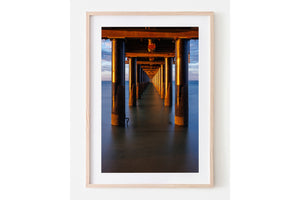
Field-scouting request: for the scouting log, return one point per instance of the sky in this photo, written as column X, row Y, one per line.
column 106, row 61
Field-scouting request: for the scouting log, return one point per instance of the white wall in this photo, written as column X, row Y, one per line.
column 221, row 189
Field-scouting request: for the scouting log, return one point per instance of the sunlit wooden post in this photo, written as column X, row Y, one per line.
column 162, row 81
column 118, row 82
column 158, row 77
column 132, row 81
column 168, row 81
column 181, row 90
column 156, row 81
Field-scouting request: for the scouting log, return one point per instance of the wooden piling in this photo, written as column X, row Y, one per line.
column 168, row 81
column 162, row 81
column 132, row 81
column 181, row 82
column 138, row 81
column 118, row 82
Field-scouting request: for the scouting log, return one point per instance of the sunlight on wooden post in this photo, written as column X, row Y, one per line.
column 132, row 82
column 181, row 82
column 168, row 81
column 159, row 81
column 162, row 81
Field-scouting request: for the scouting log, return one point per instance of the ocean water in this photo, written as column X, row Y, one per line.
column 151, row 142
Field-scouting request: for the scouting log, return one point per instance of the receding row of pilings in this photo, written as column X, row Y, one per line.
column 162, row 81
column 138, row 80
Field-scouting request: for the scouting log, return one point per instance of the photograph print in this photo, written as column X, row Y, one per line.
column 149, row 99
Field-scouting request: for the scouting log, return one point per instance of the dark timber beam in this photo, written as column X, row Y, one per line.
column 151, row 70
column 149, row 67
column 141, row 45
column 153, row 62
column 181, row 82
column 150, row 62
column 114, row 33
column 151, row 55
column 118, row 82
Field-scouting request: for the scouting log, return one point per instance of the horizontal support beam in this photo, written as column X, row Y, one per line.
column 148, row 62
column 152, row 62
column 150, row 55
column 109, row 34
column 151, row 71
column 150, row 67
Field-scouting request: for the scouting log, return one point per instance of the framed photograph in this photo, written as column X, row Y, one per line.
column 149, row 99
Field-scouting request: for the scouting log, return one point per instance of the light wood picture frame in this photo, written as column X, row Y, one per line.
column 90, row 90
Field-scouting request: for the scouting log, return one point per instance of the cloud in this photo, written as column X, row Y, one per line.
column 193, row 66
column 106, row 45
column 105, row 65
column 106, row 75
column 106, row 50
